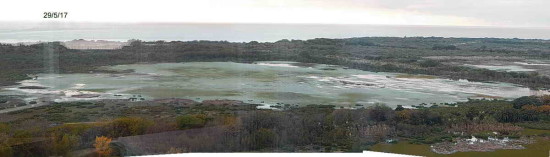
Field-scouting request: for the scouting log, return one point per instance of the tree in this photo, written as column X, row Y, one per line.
column 526, row 100
column 509, row 115
column 472, row 113
column 379, row 112
column 102, row 147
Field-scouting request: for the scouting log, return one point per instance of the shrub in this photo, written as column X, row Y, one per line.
column 102, row 146
column 128, row 126
column 74, row 129
column 191, row 121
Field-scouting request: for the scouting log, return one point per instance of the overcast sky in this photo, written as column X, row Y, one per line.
column 508, row 13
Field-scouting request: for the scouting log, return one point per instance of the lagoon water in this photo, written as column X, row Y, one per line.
column 264, row 82
column 507, row 68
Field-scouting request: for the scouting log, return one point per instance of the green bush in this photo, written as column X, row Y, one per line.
column 128, row 126
column 191, row 121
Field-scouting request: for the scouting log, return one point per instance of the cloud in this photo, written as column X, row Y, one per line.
column 494, row 12
column 399, row 12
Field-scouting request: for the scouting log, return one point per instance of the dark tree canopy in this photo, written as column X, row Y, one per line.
column 526, row 100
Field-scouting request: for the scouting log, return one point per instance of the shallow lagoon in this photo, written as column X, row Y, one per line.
column 508, row 68
column 263, row 82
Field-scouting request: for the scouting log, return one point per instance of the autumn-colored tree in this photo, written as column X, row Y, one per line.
column 403, row 115
column 539, row 109
column 544, row 109
column 102, row 146
column 230, row 120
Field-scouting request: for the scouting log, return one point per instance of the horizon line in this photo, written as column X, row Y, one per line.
column 267, row 23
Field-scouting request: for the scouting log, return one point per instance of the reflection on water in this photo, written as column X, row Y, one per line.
column 263, row 82
column 508, row 68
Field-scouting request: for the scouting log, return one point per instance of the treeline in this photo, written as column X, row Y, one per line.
column 385, row 54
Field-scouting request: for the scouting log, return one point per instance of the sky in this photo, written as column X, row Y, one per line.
column 504, row 13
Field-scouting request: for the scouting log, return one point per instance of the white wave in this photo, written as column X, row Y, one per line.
column 78, row 86
column 277, row 65
column 524, row 63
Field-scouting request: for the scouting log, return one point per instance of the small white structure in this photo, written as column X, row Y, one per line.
column 472, row 140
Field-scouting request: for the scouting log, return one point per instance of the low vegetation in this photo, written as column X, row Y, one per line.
column 222, row 129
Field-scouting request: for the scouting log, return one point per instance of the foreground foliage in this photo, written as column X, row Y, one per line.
column 310, row 128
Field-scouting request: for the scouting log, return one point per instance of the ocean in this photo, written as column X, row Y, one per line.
column 12, row 32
